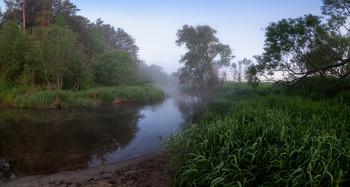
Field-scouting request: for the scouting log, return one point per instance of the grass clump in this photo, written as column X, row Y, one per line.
column 271, row 140
column 86, row 98
column 8, row 94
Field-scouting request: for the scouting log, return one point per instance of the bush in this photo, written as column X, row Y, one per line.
column 8, row 94
column 87, row 98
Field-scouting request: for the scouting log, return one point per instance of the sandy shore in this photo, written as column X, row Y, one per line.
column 147, row 170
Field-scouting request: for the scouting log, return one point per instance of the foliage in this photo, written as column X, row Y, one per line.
column 114, row 68
column 307, row 46
column 201, row 62
column 8, row 94
column 57, row 53
column 40, row 12
column 12, row 49
column 269, row 140
column 236, row 70
column 153, row 74
column 87, row 98
column 57, row 49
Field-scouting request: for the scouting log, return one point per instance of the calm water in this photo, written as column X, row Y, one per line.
column 40, row 141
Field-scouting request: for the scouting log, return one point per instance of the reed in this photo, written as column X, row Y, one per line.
column 271, row 140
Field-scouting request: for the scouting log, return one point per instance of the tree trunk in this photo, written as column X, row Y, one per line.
column 213, row 75
column 58, row 82
column 43, row 16
column 78, row 82
column 24, row 16
column 48, row 85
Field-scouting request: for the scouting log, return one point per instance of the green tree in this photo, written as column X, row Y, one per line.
column 114, row 68
column 239, row 70
column 234, row 71
column 119, row 39
column 303, row 47
column 204, row 57
column 153, row 74
column 12, row 52
column 307, row 46
column 126, row 42
column 57, row 51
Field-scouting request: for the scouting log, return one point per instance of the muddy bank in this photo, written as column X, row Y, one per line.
column 147, row 170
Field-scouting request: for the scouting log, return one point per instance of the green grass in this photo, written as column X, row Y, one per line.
column 87, row 98
column 268, row 140
column 8, row 94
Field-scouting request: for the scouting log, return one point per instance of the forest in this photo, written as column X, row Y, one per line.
column 45, row 46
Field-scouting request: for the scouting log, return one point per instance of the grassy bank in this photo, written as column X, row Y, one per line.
column 88, row 98
column 265, row 137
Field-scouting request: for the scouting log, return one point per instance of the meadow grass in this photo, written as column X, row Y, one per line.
column 266, row 139
column 85, row 98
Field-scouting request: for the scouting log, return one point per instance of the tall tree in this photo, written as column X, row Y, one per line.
column 204, row 57
column 12, row 52
column 57, row 51
column 304, row 47
column 41, row 12
column 126, row 42
column 24, row 15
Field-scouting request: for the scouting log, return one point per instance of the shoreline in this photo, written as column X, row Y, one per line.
column 147, row 170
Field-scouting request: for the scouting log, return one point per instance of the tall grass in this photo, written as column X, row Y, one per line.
column 87, row 98
column 270, row 140
column 8, row 94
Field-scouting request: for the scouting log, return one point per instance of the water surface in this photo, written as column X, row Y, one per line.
column 44, row 141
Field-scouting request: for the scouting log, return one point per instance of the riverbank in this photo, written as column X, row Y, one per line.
column 266, row 136
column 148, row 170
column 18, row 97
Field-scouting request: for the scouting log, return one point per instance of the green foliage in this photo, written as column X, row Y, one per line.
column 9, row 93
column 270, row 140
column 307, row 46
column 130, row 93
column 87, row 98
column 114, row 68
column 201, row 66
column 57, row 47
column 57, row 53
column 153, row 74
column 12, row 48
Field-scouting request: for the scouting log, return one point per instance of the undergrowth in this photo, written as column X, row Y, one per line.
column 86, row 98
column 269, row 140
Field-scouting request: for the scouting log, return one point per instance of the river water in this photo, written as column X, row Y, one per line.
column 45, row 141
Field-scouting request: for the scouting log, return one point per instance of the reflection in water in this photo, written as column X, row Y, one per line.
column 34, row 141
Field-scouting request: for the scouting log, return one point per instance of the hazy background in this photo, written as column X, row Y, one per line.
column 154, row 23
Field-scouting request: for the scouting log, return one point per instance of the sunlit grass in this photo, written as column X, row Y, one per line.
column 270, row 140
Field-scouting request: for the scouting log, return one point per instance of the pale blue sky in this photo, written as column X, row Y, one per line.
column 154, row 23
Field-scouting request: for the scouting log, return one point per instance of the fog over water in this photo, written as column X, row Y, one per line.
column 43, row 141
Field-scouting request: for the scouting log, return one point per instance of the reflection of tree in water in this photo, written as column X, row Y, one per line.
column 188, row 105
column 63, row 140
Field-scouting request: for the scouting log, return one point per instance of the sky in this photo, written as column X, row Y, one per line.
column 154, row 23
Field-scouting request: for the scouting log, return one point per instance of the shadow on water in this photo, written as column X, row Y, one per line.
column 40, row 141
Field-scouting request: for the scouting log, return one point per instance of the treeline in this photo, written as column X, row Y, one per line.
column 44, row 43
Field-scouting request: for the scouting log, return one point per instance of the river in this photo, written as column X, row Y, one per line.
column 45, row 141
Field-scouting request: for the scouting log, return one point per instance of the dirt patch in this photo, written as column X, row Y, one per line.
column 119, row 100
column 148, row 170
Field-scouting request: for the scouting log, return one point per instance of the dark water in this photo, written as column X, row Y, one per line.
column 40, row 141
